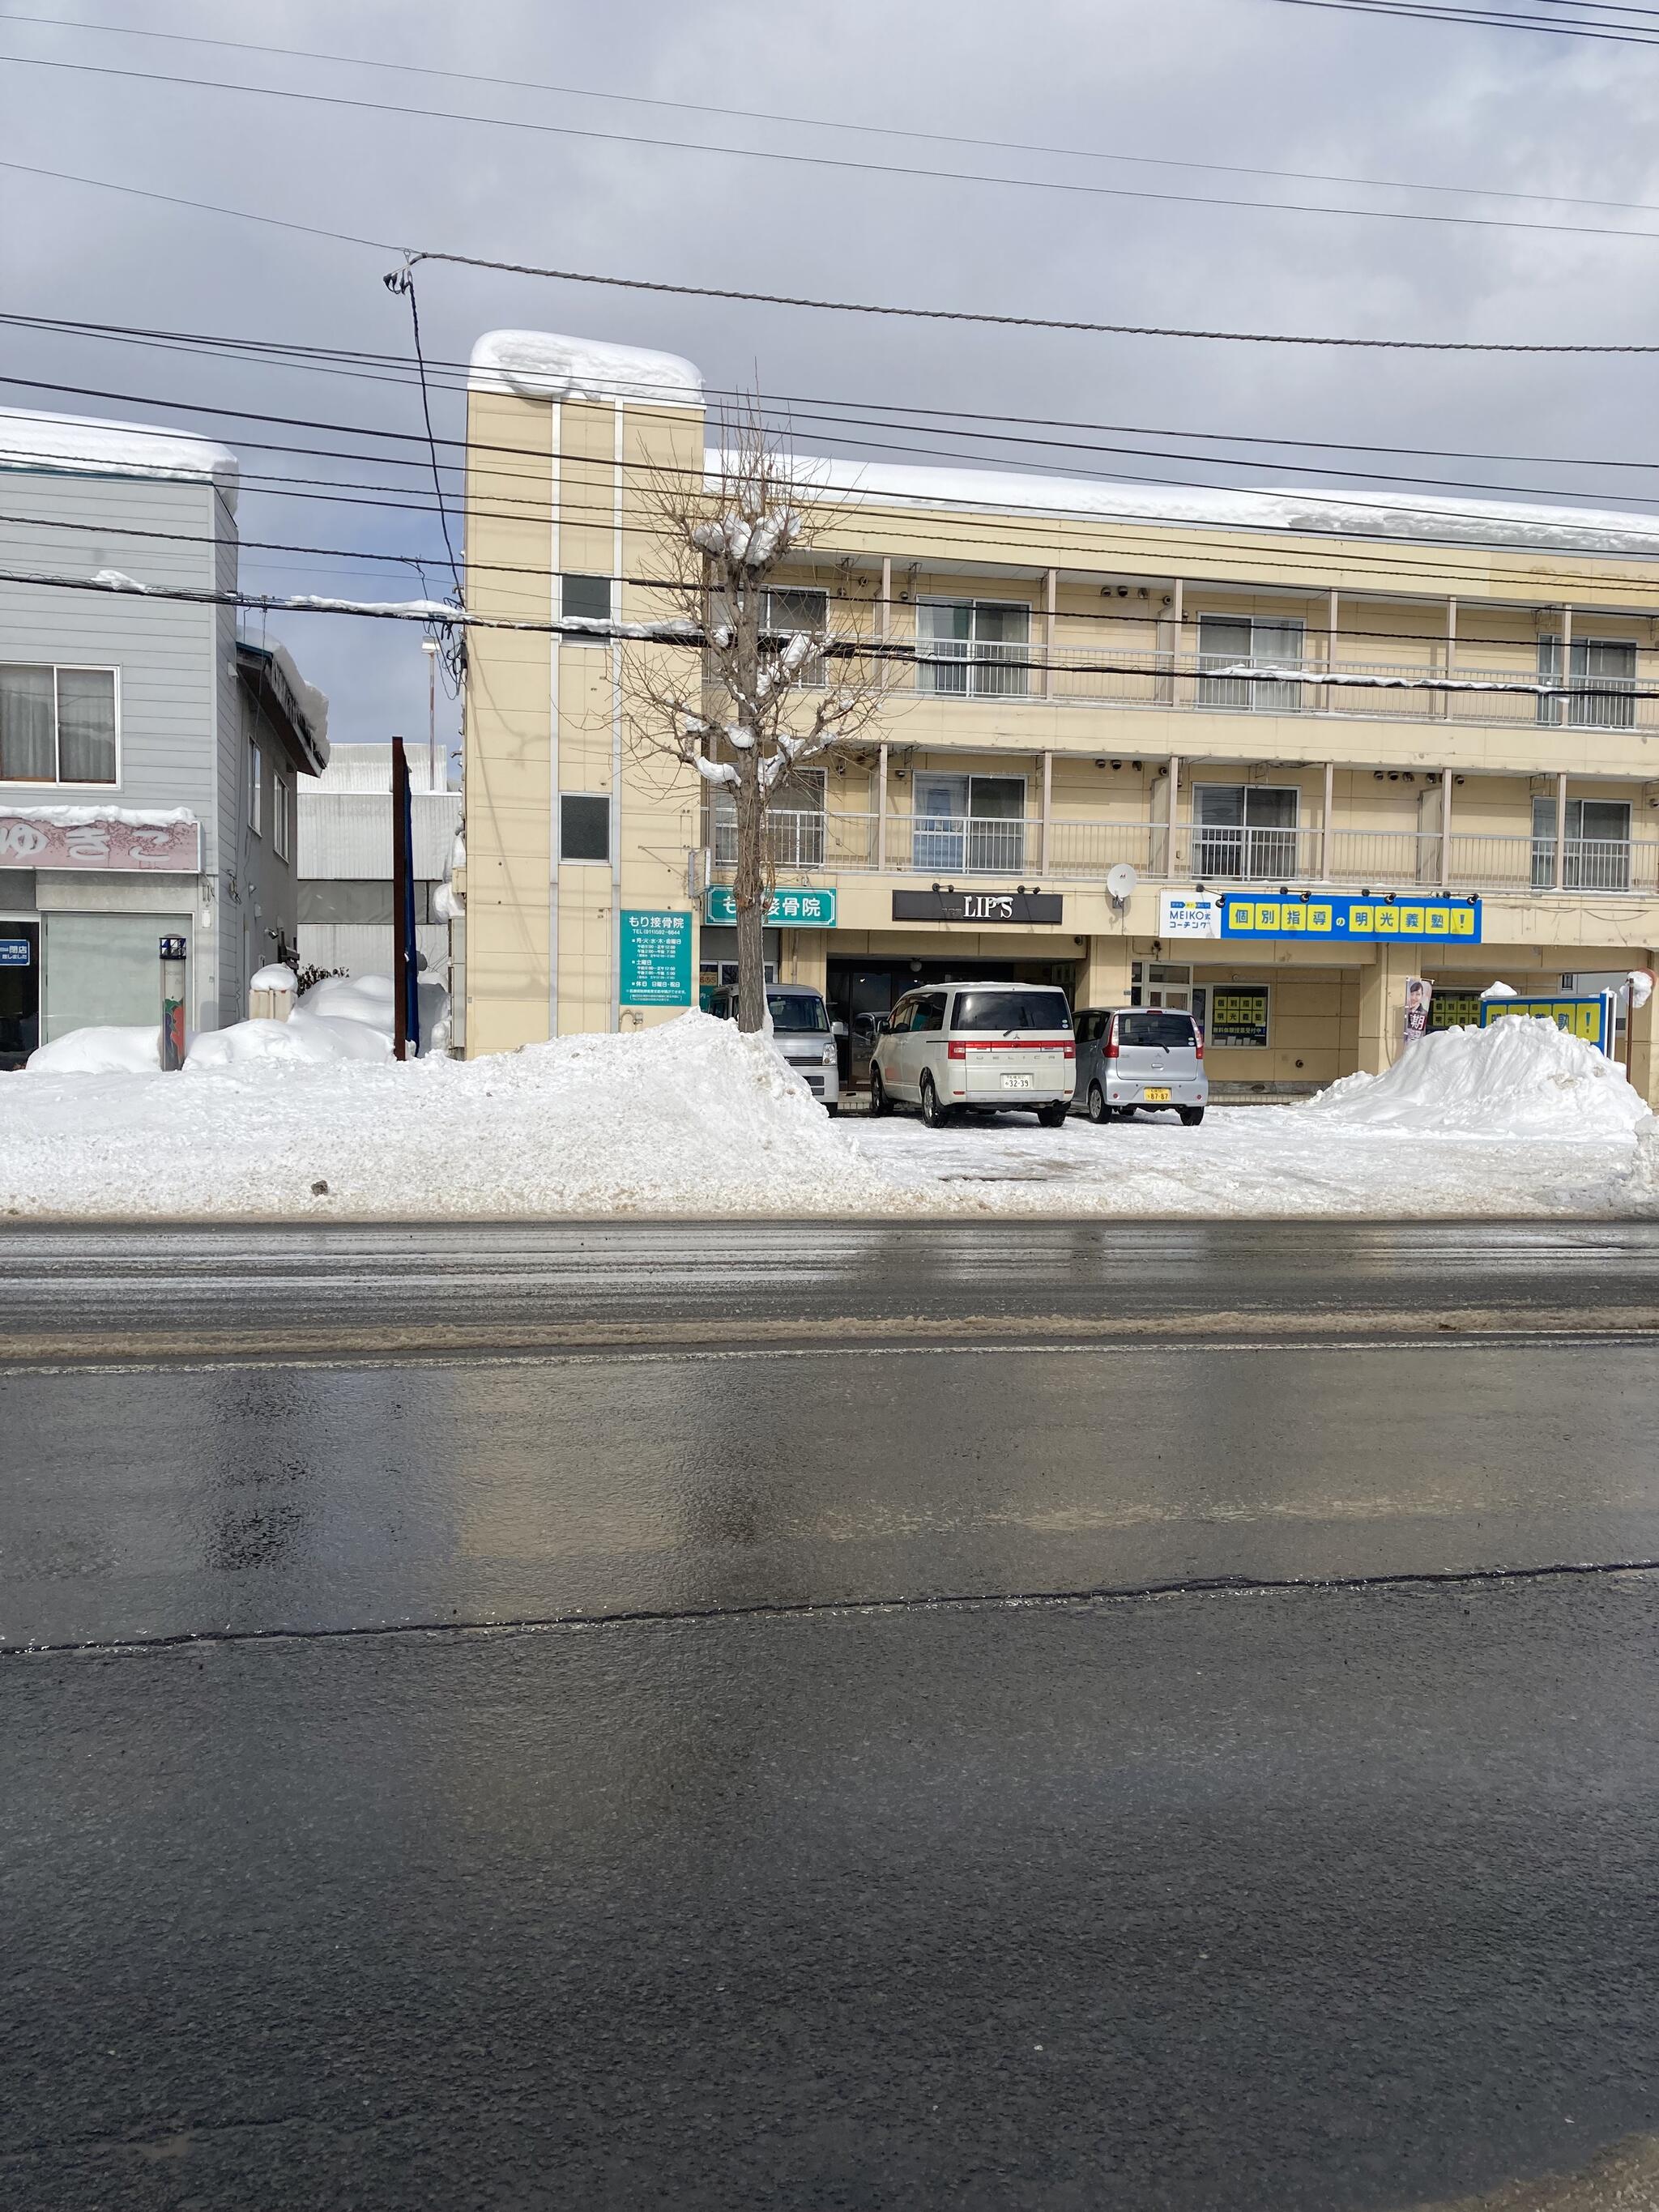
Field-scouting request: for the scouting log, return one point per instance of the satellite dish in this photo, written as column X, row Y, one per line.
column 1121, row 880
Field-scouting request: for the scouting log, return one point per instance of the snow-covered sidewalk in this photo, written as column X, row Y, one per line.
column 692, row 1119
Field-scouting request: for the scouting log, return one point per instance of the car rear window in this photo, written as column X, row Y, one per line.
column 1151, row 1028
column 1012, row 1010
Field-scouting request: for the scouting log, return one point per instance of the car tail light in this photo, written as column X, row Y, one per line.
column 1198, row 1040
column 1069, row 1048
column 1111, row 1042
column 956, row 1052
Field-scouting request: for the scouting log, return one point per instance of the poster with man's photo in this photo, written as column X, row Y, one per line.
column 1419, row 997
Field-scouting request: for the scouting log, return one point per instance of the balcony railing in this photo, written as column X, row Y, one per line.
column 1119, row 676
column 836, row 843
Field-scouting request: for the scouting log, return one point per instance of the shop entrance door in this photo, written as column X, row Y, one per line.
column 20, row 991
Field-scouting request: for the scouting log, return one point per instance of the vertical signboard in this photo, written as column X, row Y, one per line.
column 656, row 956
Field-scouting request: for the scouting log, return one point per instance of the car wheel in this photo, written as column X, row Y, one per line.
column 880, row 1103
column 831, row 1107
column 1098, row 1110
column 1192, row 1115
column 933, row 1112
column 1054, row 1117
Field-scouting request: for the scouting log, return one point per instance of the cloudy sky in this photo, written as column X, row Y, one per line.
column 1258, row 84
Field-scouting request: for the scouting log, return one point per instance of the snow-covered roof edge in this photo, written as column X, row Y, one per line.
column 86, row 445
column 1493, row 525
column 543, row 365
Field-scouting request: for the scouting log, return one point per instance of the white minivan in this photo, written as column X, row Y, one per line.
column 953, row 1049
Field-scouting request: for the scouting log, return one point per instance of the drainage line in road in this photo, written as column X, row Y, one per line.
column 1103, row 1593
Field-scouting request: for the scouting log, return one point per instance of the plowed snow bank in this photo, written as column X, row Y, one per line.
column 1518, row 1078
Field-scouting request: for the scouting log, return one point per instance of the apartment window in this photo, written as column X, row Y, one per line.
column 585, row 598
column 56, row 725
column 977, row 647
column 786, row 614
column 1244, row 830
column 584, row 826
column 1601, row 680
column 794, row 823
column 968, row 822
column 282, row 819
column 1596, row 855
column 1239, row 641
column 255, row 788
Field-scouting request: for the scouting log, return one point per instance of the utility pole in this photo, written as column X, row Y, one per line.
column 406, row 1007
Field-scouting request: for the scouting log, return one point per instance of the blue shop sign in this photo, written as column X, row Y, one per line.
column 15, row 952
column 1359, row 921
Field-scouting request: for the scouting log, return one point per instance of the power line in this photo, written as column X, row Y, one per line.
column 355, row 362
column 838, row 123
column 840, row 162
column 840, row 424
column 690, row 636
column 857, row 307
column 1478, row 19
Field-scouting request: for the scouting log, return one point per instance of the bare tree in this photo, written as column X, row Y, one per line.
column 763, row 699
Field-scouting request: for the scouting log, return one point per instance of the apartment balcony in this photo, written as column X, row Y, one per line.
column 1114, row 676
column 1070, row 851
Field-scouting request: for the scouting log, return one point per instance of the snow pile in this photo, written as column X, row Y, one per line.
column 542, row 365
column 1520, row 1078
column 276, row 977
column 312, row 703
column 86, row 445
column 100, row 1052
column 303, row 1039
column 689, row 1118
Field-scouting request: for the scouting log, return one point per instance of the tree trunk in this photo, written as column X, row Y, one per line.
column 751, row 888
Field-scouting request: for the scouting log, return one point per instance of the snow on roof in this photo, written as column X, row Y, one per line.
column 84, row 445
column 313, row 703
column 542, row 365
column 1493, row 523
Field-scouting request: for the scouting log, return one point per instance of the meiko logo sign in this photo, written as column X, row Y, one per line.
column 1187, row 914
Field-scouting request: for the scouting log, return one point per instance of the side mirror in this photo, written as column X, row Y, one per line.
column 838, row 1029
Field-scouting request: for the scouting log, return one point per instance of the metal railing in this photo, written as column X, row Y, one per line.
column 805, row 841
column 1423, row 691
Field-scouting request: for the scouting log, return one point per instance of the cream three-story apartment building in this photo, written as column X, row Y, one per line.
column 1262, row 755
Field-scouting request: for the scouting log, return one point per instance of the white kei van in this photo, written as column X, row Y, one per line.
column 953, row 1049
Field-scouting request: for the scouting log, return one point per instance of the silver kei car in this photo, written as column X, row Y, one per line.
column 1128, row 1057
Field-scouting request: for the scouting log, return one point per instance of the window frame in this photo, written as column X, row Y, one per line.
column 253, row 762
column 568, row 576
column 933, row 664
column 1589, row 701
column 57, row 781
column 282, row 821
column 588, row 859
column 1231, row 851
column 1215, row 690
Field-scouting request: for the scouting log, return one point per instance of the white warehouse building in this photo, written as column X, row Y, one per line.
column 345, row 909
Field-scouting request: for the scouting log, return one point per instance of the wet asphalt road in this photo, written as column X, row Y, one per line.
column 731, row 1716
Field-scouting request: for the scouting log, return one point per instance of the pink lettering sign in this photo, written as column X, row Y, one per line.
column 31, row 840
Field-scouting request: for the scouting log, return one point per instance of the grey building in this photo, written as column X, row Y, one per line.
column 345, row 859
column 149, row 760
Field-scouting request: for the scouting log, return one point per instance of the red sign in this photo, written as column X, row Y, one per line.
column 37, row 841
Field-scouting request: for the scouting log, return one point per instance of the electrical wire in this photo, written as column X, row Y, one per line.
column 775, row 119
column 691, row 637
column 859, row 308
column 842, row 163
column 355, row 364
column 1476, row 19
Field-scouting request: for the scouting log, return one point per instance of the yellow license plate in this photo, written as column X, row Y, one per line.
column 1157, row 1094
